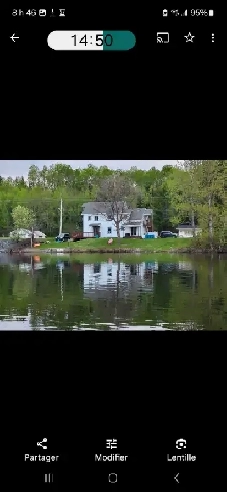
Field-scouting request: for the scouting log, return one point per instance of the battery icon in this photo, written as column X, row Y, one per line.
column 211, row 13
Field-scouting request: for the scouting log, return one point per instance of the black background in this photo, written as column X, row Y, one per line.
column 147, row 389
column 155, row 100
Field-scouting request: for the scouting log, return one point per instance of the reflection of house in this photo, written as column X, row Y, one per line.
column 100, row 276
column 185, row 265
column 103, row 274
column 185, row 230
column 98, row 220
column 31, row 267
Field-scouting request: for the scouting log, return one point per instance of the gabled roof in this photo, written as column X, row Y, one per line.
column 138, row 213
column 94, row 208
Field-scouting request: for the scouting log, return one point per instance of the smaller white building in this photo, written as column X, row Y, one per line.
column 98, row 220
column 185, row 230
column 26, row 234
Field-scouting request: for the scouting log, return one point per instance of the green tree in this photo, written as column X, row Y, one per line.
column 184, row 193
column 212, row 208
column 23, row 217
column 33, row 176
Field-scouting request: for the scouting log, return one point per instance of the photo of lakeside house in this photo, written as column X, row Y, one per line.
column 98, row 221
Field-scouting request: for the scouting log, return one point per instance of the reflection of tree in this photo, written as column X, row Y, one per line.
column 22, row 285
column 194, row 296
column 118, row 288
column 162, row 289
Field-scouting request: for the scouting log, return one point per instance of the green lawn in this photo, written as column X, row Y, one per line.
column 159, row 244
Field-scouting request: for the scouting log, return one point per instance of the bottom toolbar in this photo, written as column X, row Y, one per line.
column 94, row 460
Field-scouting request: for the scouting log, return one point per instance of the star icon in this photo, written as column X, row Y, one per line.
column 189, row 38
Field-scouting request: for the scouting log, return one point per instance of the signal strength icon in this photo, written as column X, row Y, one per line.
column 185, row 13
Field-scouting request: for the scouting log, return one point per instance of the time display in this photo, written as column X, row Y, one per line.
column 100, row 40
column 91, row 40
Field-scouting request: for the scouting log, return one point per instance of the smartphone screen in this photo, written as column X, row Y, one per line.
column 112, row 248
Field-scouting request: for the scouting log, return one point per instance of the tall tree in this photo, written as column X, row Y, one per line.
column 211, row 176
column 117, row 195
column 33, row 176
column 184, row 193
column 23, row 217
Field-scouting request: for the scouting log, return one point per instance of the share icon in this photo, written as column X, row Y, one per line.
column 41, row 443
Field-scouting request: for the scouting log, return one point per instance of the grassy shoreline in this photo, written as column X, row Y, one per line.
column 125, row 245
column 97, row 244
column 100, row 245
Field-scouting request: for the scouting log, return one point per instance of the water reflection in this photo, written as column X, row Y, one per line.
column 115, row 294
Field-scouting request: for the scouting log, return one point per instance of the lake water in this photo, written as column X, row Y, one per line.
column 99, row 292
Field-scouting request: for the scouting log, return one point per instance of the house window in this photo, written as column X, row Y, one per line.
column 133, row 269
column 109, row 230
column 89, row 217
column 97, row 267
column 96, row 218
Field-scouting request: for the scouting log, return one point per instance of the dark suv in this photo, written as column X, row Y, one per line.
column 168, row 234
column 63, row 237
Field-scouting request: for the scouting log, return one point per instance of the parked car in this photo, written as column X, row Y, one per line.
column 63, row 237
column 168, row 234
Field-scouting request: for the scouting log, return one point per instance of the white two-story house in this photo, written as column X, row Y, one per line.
column 98, row 220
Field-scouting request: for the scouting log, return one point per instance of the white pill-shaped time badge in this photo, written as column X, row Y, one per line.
column 91, row 40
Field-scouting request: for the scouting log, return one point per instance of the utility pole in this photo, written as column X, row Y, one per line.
column 60, row 226
column 32, row 237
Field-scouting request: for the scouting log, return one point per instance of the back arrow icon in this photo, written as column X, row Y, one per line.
column 13, row 37
column 175, row 478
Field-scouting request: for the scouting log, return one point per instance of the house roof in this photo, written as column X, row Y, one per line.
column 136, row 214
column 99, row 207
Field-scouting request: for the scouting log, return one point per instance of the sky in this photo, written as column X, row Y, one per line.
column 20, row 168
